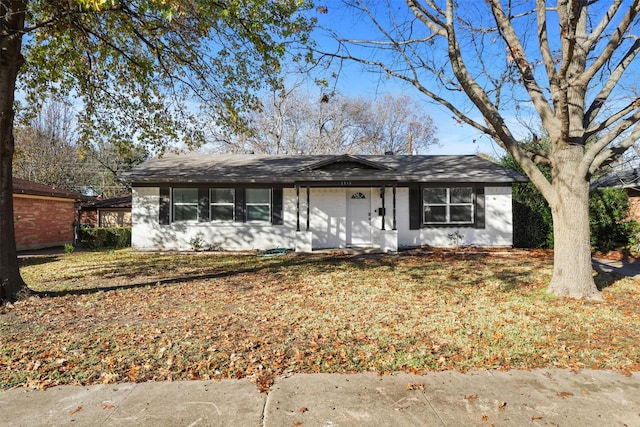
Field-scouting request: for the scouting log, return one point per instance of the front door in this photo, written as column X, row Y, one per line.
column 359, row 217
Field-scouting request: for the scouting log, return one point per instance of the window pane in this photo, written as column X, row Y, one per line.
column 435, row 195
column 461, row 214
column 258, row 195
column 185, row 212
column 222, row 212
column 461, row 195
column 185, row 195
column 258, row 213
column 435, row 214
column 222, row 195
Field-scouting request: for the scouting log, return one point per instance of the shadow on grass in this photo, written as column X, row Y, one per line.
column 321, row 263
column 609, row 273
column 37, row 260
column 159, row 282
column 479, row 268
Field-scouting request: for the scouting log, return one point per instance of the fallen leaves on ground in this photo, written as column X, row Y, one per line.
column 565, row 394
column 418, row 386
column 117, row 316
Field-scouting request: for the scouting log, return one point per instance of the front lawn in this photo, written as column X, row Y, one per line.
column 107, row 317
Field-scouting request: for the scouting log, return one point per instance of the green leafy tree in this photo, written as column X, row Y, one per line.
column 571, row 66
column 532, row 219
column 141, row 70
column 47, row 151
column 609, row 219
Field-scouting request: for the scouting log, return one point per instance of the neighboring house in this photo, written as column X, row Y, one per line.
column 114, row 212
column 238, row 202
column 43, row 216
column 629, row 180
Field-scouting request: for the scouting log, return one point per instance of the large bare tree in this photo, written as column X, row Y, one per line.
column 294, row 122
column 571, row 64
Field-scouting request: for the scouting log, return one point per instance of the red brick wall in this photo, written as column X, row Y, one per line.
column 634, row 204
column 41, row 222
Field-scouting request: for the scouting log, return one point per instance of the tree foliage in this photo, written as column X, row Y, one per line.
column 609, row 219
column 532, row 219
column 565, row 66
column 141, row 72
column 610, row 227
column 48, row 152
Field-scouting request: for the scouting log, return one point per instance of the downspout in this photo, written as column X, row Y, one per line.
column 382, row 191
column 308, row 206
column 394, row 208
column 297, row 207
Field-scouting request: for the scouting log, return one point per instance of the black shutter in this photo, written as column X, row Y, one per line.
column 415, row 207
column 480, row 222
column 164, row 216
column 203, row 204
column 240, row 205
column 276, row 206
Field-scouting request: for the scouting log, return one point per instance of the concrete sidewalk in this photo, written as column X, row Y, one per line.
column 548, row 397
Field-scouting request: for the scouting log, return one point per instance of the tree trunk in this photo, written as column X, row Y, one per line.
column 572, row 268
column 11, row 27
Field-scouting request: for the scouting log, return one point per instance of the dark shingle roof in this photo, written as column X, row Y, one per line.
column 116, row 202
column 251, row 168
column 629, row 178
column 23, row 186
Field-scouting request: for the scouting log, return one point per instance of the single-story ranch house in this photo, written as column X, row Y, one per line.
column 240, row 202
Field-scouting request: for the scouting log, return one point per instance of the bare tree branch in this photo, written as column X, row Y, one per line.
column 612, row 153
column 596, row 33
column 608, row 88
column 614, row 42
column 519, row 57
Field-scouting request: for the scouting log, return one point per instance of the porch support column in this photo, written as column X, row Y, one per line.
column 394, row 209
column 308, row 206
column 297, row 207
column 382, row 194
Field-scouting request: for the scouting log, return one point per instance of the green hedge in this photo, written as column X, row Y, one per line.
column 97, row 238
column 608, row 213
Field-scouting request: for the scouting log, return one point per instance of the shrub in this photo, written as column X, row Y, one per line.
column 531, row 228
column 533, row 222
column 102, row 237
column 608, row 213
column 634, row 238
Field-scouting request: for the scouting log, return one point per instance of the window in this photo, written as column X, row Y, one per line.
column 185, row 204
column 222, row 205
column 258, row 204
column 448, row 205
column 219, row 204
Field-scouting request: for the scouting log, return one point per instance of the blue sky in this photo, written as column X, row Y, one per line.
column 454, row 138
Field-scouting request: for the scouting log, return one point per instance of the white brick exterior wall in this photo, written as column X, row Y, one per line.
column 328, row 223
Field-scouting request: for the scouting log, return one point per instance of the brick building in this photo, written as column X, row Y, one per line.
column 43, row 216
column 629, row 180
column 106, row 213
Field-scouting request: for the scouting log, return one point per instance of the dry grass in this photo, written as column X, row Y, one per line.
column 126, row 316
